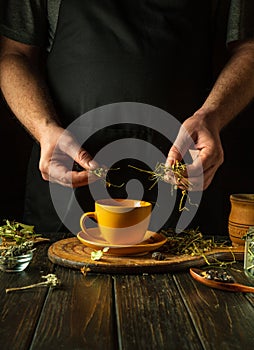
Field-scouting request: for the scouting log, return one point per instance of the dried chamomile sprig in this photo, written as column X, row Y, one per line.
column 51, row 281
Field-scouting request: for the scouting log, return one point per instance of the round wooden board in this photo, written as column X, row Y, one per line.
column 72, row 253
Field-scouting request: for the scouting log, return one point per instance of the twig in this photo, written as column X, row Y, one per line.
column 102, row 174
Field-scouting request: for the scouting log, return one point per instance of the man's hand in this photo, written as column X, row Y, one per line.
column 201, row 138
column 59, row 151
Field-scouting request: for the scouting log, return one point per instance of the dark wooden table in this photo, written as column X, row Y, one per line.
column 105, row 311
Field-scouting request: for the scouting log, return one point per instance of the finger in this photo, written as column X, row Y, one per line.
column 62, row 174
column 195, row 169
column 182, row 144
column 202, row 181
column 82, row 178
column 85, row 160
column 72, row 148
column 72, row 179
column 173, row 156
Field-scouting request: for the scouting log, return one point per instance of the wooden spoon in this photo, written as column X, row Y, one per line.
column 229, row 286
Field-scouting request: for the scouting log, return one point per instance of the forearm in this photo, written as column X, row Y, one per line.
column 234, row 88
column 26, row 94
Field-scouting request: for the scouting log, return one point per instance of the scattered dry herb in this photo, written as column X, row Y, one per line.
column 97, row 254
column 84, row 270
column 192, row 242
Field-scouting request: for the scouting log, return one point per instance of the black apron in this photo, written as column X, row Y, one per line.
column 155, row 52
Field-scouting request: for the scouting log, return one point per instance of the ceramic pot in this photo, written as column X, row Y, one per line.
column 241, row 217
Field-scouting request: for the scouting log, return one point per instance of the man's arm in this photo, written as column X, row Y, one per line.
column 234, row 88
column 231, row 93
column 26, row 93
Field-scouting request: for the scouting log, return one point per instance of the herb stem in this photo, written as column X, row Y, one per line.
column 26, row 287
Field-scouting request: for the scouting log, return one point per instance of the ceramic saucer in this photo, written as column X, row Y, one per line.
column 92, row 239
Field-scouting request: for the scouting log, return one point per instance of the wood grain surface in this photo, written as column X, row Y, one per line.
column 72, row 253
column 122, row 311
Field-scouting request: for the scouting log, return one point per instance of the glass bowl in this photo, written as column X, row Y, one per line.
column 15, row 263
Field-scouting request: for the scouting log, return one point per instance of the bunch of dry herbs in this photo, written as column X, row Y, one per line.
column 190, row 242
column 161, row 171
column 14, row 232
column 16, row 257
column 17, row 249
column 16, row 239
column 175, row 172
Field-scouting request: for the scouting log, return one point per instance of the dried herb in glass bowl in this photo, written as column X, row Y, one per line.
column 16, row 246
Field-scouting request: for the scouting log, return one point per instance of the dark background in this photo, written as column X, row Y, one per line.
column 234, row 176
column 15, row 145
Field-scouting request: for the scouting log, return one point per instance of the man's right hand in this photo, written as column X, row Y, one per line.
column 59, row 151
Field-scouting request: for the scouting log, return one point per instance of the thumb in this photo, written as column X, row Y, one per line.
column 85, row 160
column 179, row 148
column 69, row 145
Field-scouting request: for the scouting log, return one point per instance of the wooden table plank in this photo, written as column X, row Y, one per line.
column 223, row 320
column 21, row 310
column 151, row 314
column 78, row 315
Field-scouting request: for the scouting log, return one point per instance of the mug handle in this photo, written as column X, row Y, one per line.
column 90, row 214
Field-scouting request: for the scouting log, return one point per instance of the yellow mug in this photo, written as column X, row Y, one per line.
column 120, row 221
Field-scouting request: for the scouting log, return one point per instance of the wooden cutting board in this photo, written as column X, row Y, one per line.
column 72, row 253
